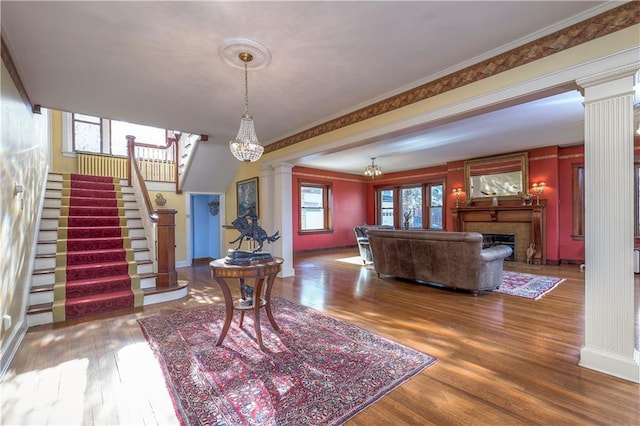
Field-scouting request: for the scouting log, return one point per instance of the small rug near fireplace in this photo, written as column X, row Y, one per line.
column 527, row 285
column 316, row 371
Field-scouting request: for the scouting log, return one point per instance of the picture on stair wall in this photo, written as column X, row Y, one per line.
column 247, row 193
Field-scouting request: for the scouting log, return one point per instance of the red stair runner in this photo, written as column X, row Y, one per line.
column 97, row 271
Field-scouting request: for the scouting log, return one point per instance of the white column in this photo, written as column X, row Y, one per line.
column 609, row 344
column 266, row 201
column 282, row 215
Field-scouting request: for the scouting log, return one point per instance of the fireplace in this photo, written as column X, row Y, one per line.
column 526, row 223
column 490, row 240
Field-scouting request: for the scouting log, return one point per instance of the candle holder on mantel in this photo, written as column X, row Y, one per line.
column 538, row 189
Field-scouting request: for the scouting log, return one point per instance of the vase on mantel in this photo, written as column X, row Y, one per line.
column 406, row 224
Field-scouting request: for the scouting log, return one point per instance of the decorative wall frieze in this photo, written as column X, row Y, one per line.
column 598, row 26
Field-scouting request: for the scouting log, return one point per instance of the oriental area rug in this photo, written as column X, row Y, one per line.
column 315, row 371
column 529, row 286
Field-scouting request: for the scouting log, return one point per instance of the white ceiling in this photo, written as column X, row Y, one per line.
column 157, row 63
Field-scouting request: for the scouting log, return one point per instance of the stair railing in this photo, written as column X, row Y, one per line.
column 159, row 225
column 157, row 163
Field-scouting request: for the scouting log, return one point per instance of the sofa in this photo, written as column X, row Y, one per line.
column 362, row 239
column 451, row 259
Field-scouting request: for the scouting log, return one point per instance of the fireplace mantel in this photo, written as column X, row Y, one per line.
column 511, row 211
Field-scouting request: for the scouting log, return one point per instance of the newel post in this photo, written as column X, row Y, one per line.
column 166, row 240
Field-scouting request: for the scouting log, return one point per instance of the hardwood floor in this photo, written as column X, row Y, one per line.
column 501, row 359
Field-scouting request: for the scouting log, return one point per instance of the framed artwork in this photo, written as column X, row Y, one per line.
column 247, row 194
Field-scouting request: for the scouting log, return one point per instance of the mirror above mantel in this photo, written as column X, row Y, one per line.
column 499, row 176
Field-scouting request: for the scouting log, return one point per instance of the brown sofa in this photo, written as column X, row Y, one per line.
column 362, row 239
column 451, row 259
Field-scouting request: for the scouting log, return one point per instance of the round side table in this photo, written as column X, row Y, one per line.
column 261, row 271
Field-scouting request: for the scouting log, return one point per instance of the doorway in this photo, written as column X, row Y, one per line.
column 205, row 227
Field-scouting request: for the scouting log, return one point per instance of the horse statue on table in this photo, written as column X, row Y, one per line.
column 248, row 227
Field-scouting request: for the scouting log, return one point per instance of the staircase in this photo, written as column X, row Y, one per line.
column 92, row 255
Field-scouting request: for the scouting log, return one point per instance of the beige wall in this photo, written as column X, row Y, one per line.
column 61, row 164
column 24, row 157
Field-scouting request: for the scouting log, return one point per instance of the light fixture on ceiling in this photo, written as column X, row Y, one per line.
column 373, row 170
column 246, row 147
column 242, row 53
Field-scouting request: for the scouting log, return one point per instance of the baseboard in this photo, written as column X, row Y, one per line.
column 610, row 363
column 201, row 261
column 183, row 264
column 11, row 347
column 315, row 250
column 571, row 261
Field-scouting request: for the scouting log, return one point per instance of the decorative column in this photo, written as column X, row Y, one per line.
column 609, row 345
column 166, row 252
column 283, row 215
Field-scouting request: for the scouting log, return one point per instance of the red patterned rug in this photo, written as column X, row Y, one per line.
column 316, row 371
column 529, row 286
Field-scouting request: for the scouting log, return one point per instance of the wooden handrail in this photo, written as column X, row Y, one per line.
column 133, row 166
column 170, row 141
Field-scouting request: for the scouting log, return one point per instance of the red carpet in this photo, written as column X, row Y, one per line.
column 95, row 271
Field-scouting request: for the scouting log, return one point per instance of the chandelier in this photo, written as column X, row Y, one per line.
column 246, row 54
column 373, row 170
column 246, row 147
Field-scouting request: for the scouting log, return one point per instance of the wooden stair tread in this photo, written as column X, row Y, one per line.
column 40, row 308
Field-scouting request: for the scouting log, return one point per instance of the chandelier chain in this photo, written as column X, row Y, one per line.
column 246, row 90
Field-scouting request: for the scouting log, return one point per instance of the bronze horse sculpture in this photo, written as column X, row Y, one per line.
column 252, row 231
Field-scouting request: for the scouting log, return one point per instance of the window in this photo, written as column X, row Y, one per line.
column 435, row 206
column 422, row 204
column 578, row 201
column 385, row 201
column 315, row 201
column 87, row 133
column 411, row 207
column 636, row 188
column 144, row 134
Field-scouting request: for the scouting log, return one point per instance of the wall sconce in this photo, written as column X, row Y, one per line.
column 456, row 192
column 160, row 200
column 214, row 207
column 538, row 188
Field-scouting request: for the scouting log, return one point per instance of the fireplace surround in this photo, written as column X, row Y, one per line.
column 526, row 222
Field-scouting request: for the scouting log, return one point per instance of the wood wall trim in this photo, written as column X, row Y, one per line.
column 598, row 26
column 7, row 59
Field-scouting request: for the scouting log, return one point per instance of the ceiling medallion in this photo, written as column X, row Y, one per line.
column 230, row 51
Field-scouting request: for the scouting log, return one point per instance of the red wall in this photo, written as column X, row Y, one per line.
column 349, row 208
column 354, row 199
